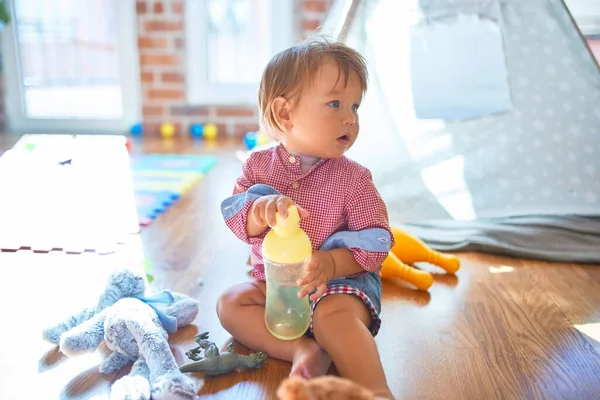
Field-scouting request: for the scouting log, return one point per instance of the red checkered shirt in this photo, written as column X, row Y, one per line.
column 338, row 193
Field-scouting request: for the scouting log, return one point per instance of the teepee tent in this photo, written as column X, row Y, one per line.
column 481, row 124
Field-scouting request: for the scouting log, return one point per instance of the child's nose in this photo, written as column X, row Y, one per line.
column 349, row 118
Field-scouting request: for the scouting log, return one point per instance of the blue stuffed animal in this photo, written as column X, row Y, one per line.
column 135, row 328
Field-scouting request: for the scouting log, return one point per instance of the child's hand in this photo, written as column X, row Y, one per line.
column 263, row 209
column 319, row 271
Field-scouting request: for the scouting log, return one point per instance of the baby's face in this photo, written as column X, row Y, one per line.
column 325, row 119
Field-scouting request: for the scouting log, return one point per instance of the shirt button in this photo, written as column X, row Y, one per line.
column 292, row 159
column 295, row 185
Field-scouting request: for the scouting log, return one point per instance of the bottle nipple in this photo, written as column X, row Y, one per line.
column 287, row 226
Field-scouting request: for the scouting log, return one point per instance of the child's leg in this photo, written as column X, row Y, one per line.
column 340, row 325
column 241, row 310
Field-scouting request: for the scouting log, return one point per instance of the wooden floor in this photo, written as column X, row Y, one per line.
column 501, row 329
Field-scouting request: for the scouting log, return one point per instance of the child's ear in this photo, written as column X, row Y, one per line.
column 281, row 112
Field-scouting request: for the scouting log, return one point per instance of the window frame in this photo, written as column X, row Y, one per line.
column 14, row 93
column 202, row 92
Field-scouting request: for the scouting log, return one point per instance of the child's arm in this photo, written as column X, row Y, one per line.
column 264, row 210
column 346, row 253
column 344, row 263
column 368, row 238
column 363, row 247
column 325, row 266
column 235, row 209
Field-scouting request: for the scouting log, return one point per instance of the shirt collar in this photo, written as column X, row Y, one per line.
column 292, row 161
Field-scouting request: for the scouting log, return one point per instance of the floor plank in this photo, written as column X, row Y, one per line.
column 502, row 328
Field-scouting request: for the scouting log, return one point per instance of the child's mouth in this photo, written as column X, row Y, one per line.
column 344, row 140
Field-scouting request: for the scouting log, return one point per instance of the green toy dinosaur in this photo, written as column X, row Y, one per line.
column 216, row 363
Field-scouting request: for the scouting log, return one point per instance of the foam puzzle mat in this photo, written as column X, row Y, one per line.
column 161, row 179
column 86, row 193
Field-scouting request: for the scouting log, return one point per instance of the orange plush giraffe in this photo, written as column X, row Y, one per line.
column 408, row 250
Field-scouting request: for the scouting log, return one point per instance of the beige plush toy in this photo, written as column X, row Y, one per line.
column 322, row 388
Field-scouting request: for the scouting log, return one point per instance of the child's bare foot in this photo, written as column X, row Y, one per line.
column 309, row 359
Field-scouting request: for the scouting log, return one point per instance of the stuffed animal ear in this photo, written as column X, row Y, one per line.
column 184, row 309
column 123, row 283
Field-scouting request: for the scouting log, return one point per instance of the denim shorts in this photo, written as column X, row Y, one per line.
column 367, row 287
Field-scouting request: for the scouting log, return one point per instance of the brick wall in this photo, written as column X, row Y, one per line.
column 161, row 38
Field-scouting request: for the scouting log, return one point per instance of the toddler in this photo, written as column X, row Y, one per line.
column 309, row 98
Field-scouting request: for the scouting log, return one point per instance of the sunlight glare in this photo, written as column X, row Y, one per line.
column 591, row 330
column 446, row 182
column 501, row 269
column 428, row 146
column 393, row 67
column 425, row 140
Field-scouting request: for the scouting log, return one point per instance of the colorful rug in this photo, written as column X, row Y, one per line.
column 161, row 179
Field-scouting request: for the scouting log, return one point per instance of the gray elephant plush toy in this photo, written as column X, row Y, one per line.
column 135, row 328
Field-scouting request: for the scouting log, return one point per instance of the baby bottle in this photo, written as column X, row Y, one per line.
column 286, row 251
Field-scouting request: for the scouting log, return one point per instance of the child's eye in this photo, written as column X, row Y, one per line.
column 355, row 108
column 334, row 104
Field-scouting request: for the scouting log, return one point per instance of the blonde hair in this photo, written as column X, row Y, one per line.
column 292, row 68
